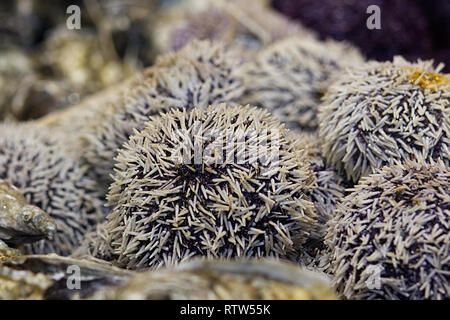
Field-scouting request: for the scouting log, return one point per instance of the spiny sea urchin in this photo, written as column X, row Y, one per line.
column 200, row 74
column 288, row 77
column 221, row 182
column 328, row 190
column 391, row 236
column 330, row 185
column 385, row 111
column 31, row 161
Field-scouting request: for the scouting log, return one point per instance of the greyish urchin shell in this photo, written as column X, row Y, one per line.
column 330, row 185
column 288, row 77
column 233, row 195
column 390, row 238
column 385, row 111
column 200, row 74
column 246, row 279
column 330, row 189
column 31, row 160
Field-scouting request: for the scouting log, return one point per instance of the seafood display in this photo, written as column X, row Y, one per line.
column 224, row 150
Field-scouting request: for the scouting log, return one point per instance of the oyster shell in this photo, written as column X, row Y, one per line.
column 21, row 284
column 242, row 279
column 6, row 252
column 60, row 271
column 21, row 222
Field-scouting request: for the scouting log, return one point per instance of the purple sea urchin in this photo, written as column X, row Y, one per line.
column 288, row 77
column 51, row 181
column 390, row 238
column 382, row 112
column 241, row 191
column 403, row 24
column 200, row 74
column 438, row 14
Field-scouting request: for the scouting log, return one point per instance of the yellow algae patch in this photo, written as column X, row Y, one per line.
column 428, row 80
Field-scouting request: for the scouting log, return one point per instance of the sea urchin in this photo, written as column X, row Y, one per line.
column 289, row 77
column 31, row 160
column 390, row 238
column 385, row 111
column 217, row 182
column 200, row 74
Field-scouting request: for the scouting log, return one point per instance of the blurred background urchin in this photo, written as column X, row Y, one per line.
column 329, row 189
column 32, row 161
column 390, row 237
column 200, row 74
column 246, row 196
column 330, row 185
column 122, row 36
column 290, row 76
column 412, row 28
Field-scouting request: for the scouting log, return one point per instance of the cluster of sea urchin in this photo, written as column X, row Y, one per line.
column 222, row 182
column 31, row 161
column 385, row 111
column 200, row 74
column 288, row 77
column 390, row 238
